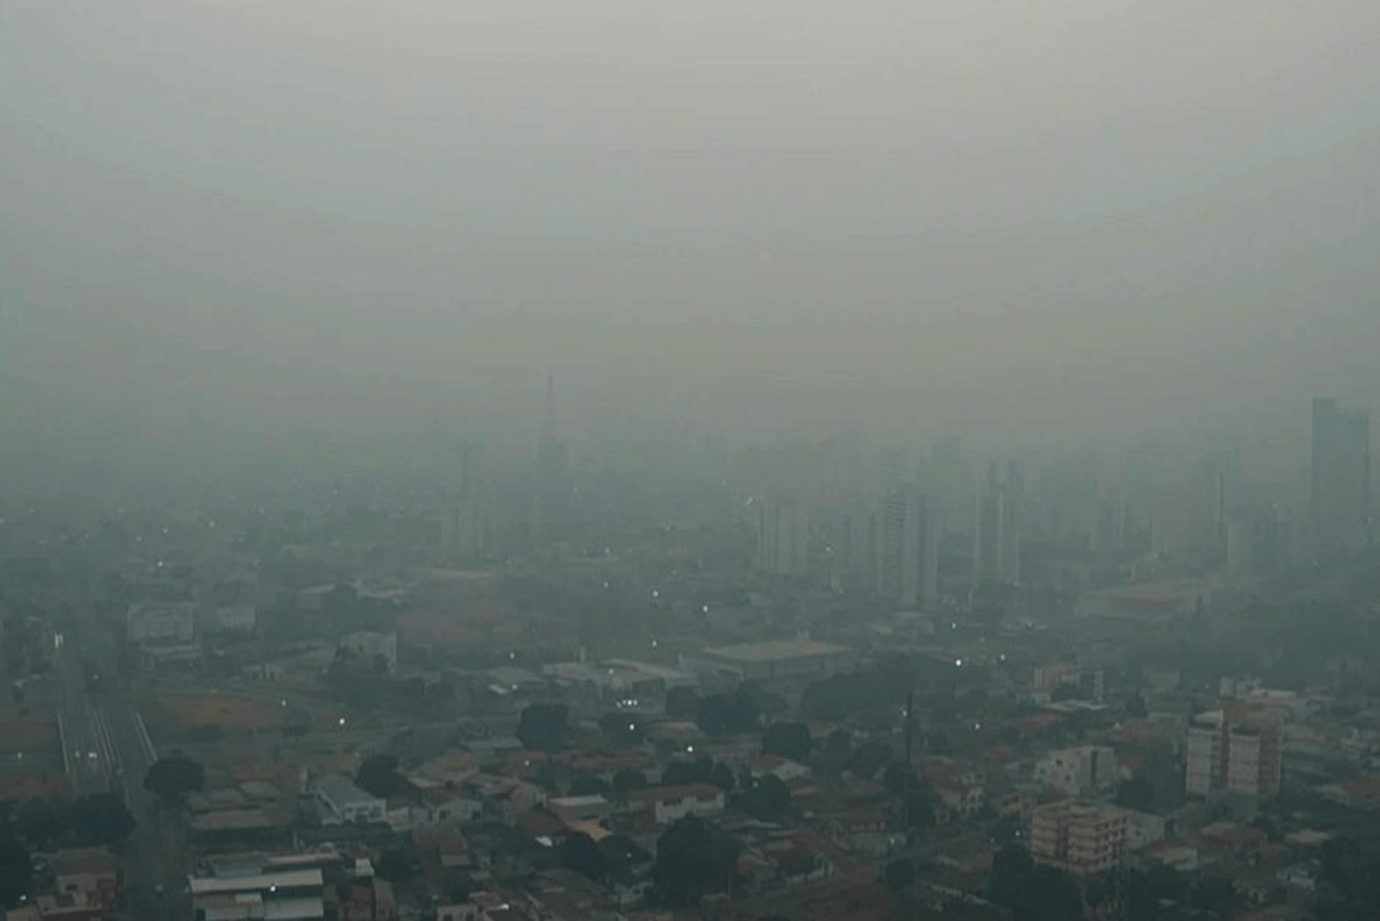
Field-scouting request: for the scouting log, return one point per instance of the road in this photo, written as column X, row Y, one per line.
column 86, row 750
column 108, row 749
column 155, row 857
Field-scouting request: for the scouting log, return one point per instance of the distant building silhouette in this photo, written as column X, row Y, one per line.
column 466, row 525
column 551, row 499
column 782, row 536
column 1339, row 479
column 998, row 525
column 909, row 530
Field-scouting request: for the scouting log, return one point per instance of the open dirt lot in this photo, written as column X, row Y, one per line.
column 35, row 731
column 180, row 712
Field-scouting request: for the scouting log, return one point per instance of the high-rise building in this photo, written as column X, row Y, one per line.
column 1339, row 479
column 466, row 529
column 907, row 548
column 1078, row 838
column 551, row 501
column 1234, row 750
column 782, row 536
column 1260, row 543
column 999, row 524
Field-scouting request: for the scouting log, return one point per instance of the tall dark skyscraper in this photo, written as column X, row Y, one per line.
column 1339, row 479
column 552, row 494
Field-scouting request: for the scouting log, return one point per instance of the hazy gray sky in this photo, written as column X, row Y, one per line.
column 1034, row 218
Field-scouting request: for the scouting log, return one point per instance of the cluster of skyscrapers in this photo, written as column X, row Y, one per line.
column 1161, row 509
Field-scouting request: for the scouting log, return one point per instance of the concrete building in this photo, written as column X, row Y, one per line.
column 281, row 895
column 998, row 525
column 1260, row 545
column 343, row 803
column 236, row 618
column 1237, row 750
column 909, row 531
column 801, row 658
column 1339, row 479
column 161, row 624
column 466, row 519
column 1077, row 771
column 91, row 876
column 1079, row 839
column 669, row 804
column 372, row 647
column 782, row 536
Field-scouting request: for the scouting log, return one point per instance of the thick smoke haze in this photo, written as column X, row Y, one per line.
column 1082, row 220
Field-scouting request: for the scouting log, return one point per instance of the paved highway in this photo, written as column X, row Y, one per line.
column 107, row 749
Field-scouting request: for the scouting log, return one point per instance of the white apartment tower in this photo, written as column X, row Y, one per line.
column 998, row 525
column 909, row 530
column 782, row 536
column 1233, row 751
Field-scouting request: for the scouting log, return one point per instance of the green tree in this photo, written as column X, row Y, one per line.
column 1032, row 892
column 578, row 852
column 172, row 778
column 379, row 776
column 588, row 785
column 870, row 757
column 1069, row 690
column 721, row 776
column 397, row 864
column 767, row 798
column 682, row 772
column 728, row 714
column 789, row 740
column 622, row 729
column 920, row 810
column 682, row 703
column 629, row 779
column 839, row 744
column 1137, row 792
column 16, row 873
column 544, row 727
column 102, row 818
column 1214, row 894
column 693, row 859
column 899, row 874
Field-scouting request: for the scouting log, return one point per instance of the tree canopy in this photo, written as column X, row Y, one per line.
column 1032, row 892
column 693, row 859
column 767, row 798
column 172, row 778
column 728, row 714
column 789, row 740
column 379, row 775
column 16, row 872
column 544, row 727
column 629, row 779
column 578, row 852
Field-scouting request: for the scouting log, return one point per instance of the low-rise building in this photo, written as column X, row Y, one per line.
column 92, row 873
column 379, row 650
column 161, row 623
column 667, row 804
column 283, row 895
column 344, row 803
column 775, row 660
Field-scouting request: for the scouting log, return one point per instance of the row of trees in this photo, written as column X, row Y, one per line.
column 98, row 819
column 1033, row 892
